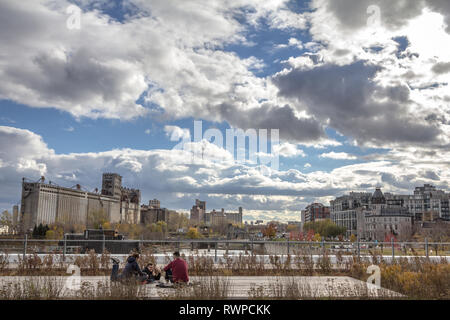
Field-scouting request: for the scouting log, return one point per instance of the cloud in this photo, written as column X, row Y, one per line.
column 160, row 54
column 441, row 67
column 288, row 150
column 170, row 62
column 267, row 116
column 353, row 14
column 338, row 156
column 380, row 85
column 350, row 101
column 176, row 133
column 166, row 174
column 443, row 7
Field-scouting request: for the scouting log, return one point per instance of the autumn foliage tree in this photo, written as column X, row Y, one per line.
column 193, row 233
column 55, row 232
column 270, row 231
column 325, row 228
column 96, row 219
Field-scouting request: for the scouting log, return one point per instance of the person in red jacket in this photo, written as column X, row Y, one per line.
column 178, row 268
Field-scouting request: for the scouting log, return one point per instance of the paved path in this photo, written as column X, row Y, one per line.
column 239, row 287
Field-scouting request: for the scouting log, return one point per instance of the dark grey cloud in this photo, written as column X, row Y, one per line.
column 441, row 68
column 352, row 14
column 273, row 117
column 347, row 98
column 402, row 182
column 431, row 175
column 408, row 181
column 393, row 14
column 443, row 7
column 436, row 118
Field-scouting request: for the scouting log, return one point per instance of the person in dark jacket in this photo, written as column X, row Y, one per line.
column 153, row 273
column 131, row 270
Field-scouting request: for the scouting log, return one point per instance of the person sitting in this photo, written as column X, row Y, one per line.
column 178, row 268
column 153, row 273
column 168, row 276
column 131, row 270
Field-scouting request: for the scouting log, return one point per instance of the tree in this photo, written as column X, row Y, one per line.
column 6, row 220
column 177, row 221
column 106, row 225
column 50, row 234
column 310, row 235
column 131, row 231
column 270, row 231
column 77, row 228
column 438, row 232
column 317, row 237
column 96, row 218
column 39, row 232
column 54, row 232
column 162, row 226
column 326, row 228
column 193, row 233
column 220, row 228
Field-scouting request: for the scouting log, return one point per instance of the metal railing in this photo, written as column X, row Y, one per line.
column 360, row 248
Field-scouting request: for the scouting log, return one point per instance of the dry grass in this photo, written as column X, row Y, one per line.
column 205, row 288
column 51, row 288
column 300, row 289
column 34, row 288
column 417, row 278
column 111, row 291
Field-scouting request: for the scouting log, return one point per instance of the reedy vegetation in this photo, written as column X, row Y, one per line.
column 418, row 277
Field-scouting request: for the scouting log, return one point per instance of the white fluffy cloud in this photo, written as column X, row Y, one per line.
column 164, row 54
column 176, row 133
column 378, row 72
column 380, row 84
column 338, row 156
column 288, row 150
column 167, row 174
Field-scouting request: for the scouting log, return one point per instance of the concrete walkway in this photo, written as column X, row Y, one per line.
column 238, row 287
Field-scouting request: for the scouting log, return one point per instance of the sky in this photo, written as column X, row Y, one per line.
column 357, row 89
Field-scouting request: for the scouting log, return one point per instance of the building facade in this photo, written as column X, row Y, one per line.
column 152, row 213
column 347, row 211
column 49, row 203
column 219, row 217
column 130, row 199
column 386, row 217
column 428, row 203
column 373, row 216
column 315, row 212
column 198, row 212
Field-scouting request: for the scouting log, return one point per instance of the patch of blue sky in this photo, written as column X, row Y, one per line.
column 270, row 46
column 117, row 10
column 318, row 163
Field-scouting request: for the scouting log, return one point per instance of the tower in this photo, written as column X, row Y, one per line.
column 111, row 185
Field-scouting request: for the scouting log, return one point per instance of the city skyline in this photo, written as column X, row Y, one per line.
column 131, row 205
column 359, row 103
